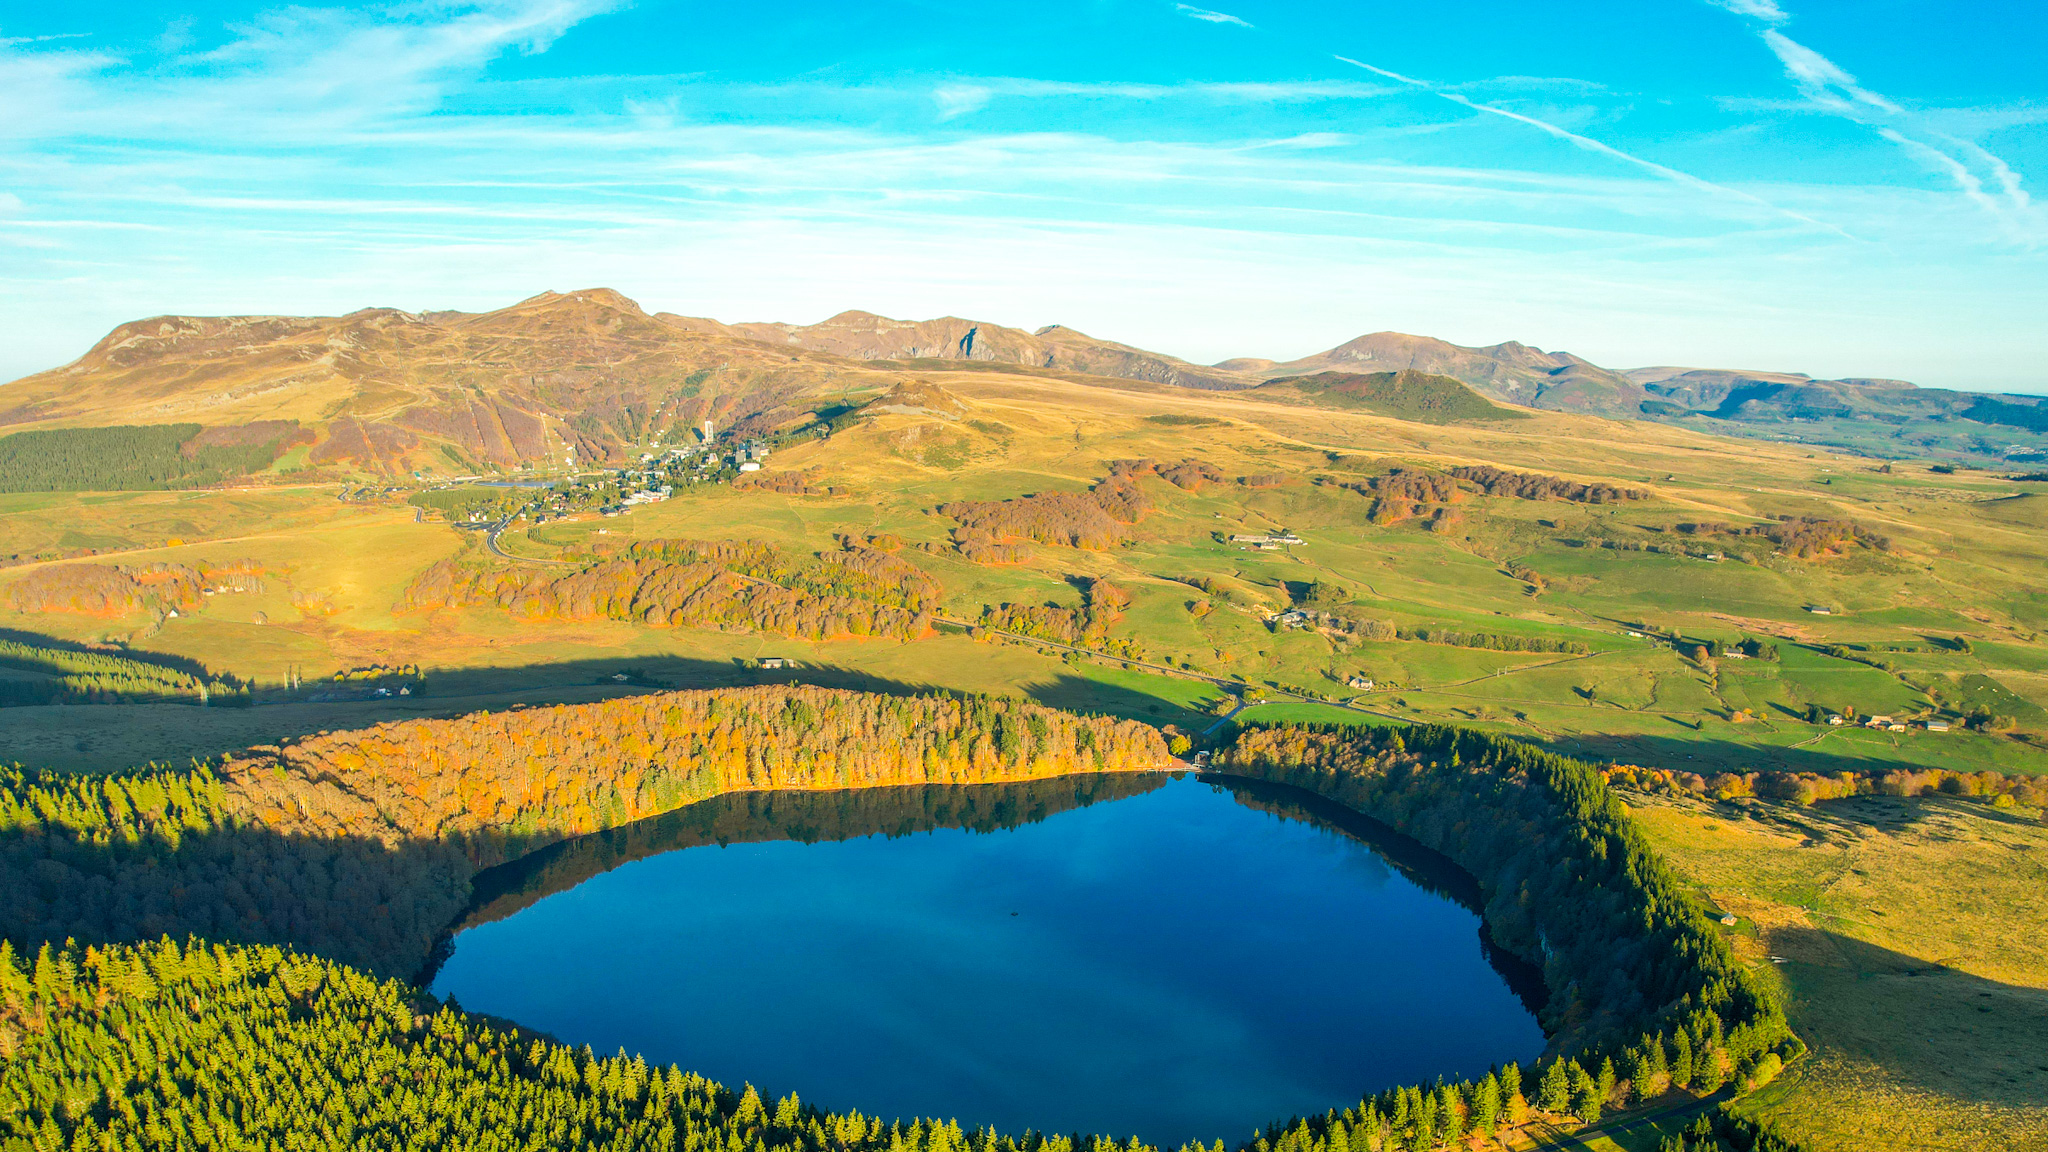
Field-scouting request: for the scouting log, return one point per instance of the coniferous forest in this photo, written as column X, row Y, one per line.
column 218, row 957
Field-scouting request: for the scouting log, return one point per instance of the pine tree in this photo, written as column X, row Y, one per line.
column 1514, row 1106
column 1555, row 1093
column 1707, row 1073
column 1603, row 1081
column 1642, row 1075
column 1450, row 1114
column 1486, row 1106
column 1681, row 1059
column 1586, row 1103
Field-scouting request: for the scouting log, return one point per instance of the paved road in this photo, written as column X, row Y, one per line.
column 1558, row 1139
column 1212, row 729
column 491, row 542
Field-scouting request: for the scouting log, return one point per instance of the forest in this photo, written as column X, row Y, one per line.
column 1403, row 493
column 1999, row 789
column 360, row 845
column 1804, row 537
column 1370, row 628
column 789, row 483
column 857, row 591
column 1094, row 519
column 1103, row 604
column 141, row 457
column 1189, row 474
column 118, row 590
column 1535, row 486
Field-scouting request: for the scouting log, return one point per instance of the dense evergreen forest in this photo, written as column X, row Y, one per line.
column 360, row 845
column 140, row 457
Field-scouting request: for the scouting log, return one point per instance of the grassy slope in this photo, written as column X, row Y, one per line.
column 1909, row 934
column 1964, row 568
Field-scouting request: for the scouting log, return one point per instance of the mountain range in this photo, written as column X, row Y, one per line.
column 585, row 376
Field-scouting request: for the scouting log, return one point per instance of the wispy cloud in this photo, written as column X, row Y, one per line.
column 1828, row 87
column 1764, row 10
column 17, row 41
column 1595, row 146
column 959, row 97
column 1194, row 13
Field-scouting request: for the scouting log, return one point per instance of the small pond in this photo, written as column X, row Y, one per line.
column 1170, row 957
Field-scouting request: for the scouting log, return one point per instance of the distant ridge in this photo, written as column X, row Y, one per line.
column 866, row 336
column 1512, row 373
column 579, row 378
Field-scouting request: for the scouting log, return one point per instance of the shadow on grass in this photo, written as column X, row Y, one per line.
column 117, row 736
column 1709, row 756
column 183, row 664
column 1926, row 1025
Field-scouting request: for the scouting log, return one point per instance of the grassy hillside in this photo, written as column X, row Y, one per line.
column 1908, row 931
column 1424, row 397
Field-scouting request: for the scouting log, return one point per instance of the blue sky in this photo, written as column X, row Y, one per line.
column 1836, row 188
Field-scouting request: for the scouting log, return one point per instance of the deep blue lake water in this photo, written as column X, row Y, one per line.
column 1124, row 955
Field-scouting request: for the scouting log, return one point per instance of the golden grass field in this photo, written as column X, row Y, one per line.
column 1908, row 932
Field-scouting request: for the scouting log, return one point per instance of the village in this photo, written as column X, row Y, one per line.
column 485, row 503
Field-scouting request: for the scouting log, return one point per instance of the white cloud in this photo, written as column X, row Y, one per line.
column 1821, row 78
column 1195, row 13
column 1832, row 89
column 960, row 99
column 1764, row 10
column 15, row 41
column 1595, row 146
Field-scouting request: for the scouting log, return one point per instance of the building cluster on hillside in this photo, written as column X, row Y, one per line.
column 1265, row 541
column 653, row 478
column 1882, row 723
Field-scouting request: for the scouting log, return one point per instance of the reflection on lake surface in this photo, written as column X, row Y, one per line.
column 1134, row 954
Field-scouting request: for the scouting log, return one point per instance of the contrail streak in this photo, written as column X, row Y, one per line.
column 1592, row 145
